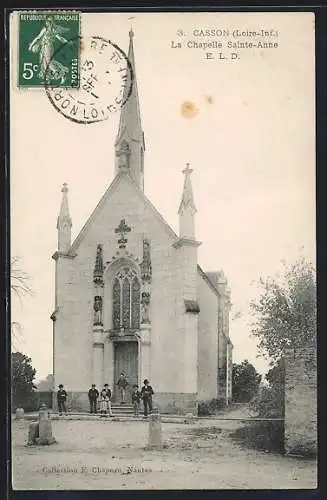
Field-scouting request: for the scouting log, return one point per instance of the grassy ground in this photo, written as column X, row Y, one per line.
column 264, row 436
column 112, row 455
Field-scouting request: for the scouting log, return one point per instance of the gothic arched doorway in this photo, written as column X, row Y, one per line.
column 125, row 361
column 126, row 290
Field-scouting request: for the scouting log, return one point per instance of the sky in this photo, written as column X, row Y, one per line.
column 251, row 144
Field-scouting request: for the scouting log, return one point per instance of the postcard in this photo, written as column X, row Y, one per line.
column 163, row 306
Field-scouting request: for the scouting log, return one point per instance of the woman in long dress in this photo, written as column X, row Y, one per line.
column 104, row 403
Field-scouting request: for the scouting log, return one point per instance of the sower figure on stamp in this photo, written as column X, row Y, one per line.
column 147, row 393
column 61, row 399
column 93, row 398
column 122, row 385
column 43, row 43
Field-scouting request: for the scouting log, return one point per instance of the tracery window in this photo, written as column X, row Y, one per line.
column 126, row 299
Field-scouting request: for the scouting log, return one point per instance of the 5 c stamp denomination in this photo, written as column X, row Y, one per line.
column 41, row 34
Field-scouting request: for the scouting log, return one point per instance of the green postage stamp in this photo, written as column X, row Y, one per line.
column 49, row 49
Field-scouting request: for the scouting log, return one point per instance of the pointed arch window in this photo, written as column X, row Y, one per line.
column 126, row 299
column 123, row 153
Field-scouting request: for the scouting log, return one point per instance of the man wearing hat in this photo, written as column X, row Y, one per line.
column 122, row 385
column 93, row 398
column 61, row 399
column 146, row 394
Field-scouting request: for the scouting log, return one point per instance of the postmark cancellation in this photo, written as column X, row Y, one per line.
column 106, row 82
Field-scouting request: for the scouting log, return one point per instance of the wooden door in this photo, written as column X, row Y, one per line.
column 126, row 361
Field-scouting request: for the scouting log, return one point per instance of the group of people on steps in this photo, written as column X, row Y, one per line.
column 102, row 401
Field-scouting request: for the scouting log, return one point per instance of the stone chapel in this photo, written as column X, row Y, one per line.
column 131, row 297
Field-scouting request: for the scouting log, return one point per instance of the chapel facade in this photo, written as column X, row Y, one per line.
column 130, row 296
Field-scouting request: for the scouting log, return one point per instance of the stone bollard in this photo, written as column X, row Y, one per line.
column 189, row 418
column 155, row 435
column 19, row 414
column 33, row 433
column 45, row 427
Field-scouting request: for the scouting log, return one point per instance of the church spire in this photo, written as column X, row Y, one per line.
column 129, row 144
column 64, row 222
column 187, row 208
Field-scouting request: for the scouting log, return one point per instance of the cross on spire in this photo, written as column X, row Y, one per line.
column 122, row 229
column 187, row 169
column 187, row 208
column 64, row 222
column 131, row 32
column 64, row 210
column 187, row 196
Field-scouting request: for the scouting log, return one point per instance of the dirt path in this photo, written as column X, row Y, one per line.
column 236, row 411
column 111, row 455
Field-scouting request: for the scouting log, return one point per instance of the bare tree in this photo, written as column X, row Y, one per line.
column 235, row 313
column 20, row 286
column 19, row 279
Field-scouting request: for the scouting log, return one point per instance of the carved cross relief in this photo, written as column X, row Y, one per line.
column 122, row 229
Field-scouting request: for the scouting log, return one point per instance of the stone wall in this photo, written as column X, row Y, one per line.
column 176, row 403
column 229, row 378
column 301, row 401
column 76, row 401
column 207, row 341
column 222, row 366
column 224, row 386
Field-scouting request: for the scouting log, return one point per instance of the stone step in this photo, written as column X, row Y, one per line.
column 117, row 405
column 115, row 411
column 165, row 418
column 122, row 410
column 119, row 418
column 92, row 416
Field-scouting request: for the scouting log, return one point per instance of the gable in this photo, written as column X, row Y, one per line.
column 208, row 281
column 121, row 179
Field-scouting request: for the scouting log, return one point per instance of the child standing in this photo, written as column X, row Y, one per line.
column 108, row 392
column 136, row 398
column 61, row 399
column 147, row 393
column 104, row 400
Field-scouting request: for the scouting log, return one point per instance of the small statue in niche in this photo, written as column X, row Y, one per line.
column 145, row 308
column 97, row 310
column 146, row 268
